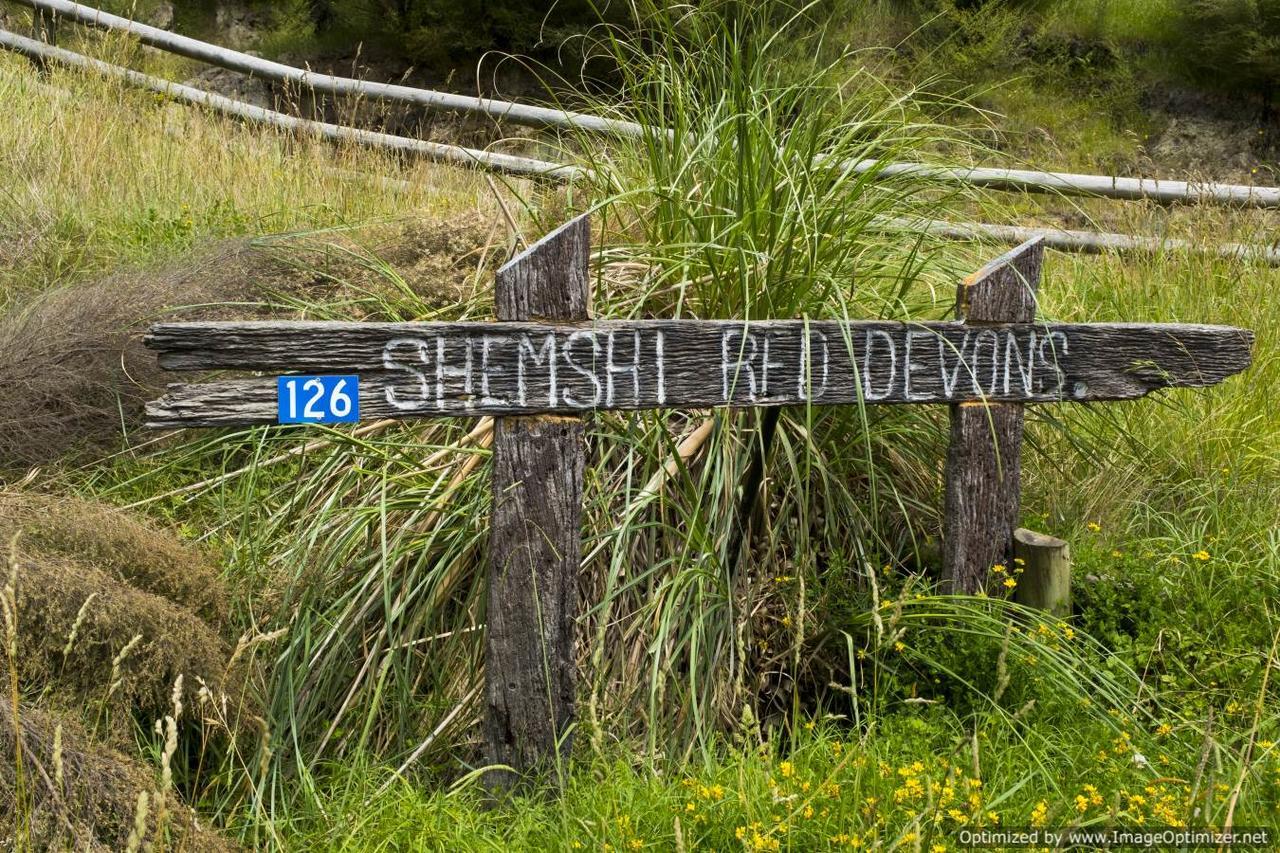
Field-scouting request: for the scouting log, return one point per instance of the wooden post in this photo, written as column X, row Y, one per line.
column 535, row 541
column 980, row 501
column 44, row 28
column 1045, row 582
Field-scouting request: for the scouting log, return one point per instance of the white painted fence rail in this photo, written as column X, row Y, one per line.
column 494, row 161
column 1061, row 183
column 265, row 69
column 1063, row 240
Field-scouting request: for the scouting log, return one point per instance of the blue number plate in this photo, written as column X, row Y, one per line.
column 318, row 399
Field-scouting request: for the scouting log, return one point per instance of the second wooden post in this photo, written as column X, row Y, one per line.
column 984, row 460
column 535, row 541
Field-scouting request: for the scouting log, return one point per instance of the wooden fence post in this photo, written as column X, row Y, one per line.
column 535, row 541
column 1045, row 582
column 980, row 501
column 44, row 28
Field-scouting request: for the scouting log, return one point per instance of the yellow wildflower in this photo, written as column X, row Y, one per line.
column 1010, row 583
column 787, row 769
column 1201, row 555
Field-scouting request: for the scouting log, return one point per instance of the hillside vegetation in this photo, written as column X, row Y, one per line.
column 272, row 638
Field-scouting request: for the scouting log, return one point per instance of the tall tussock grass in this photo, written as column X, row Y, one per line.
column 73, row 372
column 718, row 544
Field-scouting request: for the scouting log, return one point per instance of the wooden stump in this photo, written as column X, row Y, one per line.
column 980, row 500
column 535, row 541
column 1045, row 582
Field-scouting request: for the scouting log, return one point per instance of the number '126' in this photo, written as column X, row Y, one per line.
column 318, row 399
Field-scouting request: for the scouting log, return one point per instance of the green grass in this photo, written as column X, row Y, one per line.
column 103, row 177
column 720, row 677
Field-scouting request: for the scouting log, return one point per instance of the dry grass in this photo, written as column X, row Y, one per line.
column 98, row 176
column 72, row 368
column 121, row 545
column 110, row 611
column 74, row 375
column 80, row 794
column 129, row 646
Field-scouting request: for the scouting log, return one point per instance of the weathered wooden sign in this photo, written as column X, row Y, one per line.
column 546, row 364
column 432, row 369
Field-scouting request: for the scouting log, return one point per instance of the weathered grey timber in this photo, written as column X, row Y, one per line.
column 535, row 541
column 1068, row 183
column 1045, row 581
column 426, row 369
column 984, row 458
column 539, row 378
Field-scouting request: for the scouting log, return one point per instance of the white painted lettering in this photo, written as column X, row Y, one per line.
column 913, row 366
column 390, row 361
column 612, row 368
column 868, row 356
column 443, row 372
column 542, row 356
column 567, row 351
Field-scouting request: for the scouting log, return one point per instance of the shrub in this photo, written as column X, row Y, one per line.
column 1233, row 45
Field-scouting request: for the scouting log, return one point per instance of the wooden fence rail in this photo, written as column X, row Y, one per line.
column 265, row 69
column 1060, row 183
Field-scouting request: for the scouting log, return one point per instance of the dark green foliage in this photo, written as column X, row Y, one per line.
column 438, row 33
column 1231, row 45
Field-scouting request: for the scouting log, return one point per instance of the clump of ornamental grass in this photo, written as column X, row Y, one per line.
column 110, row 610
column 74, row 375
column 90, row 641
column 739, row 201
column 73, row 372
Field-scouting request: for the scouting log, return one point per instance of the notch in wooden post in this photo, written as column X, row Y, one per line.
column 535, row 541
column 984, row 459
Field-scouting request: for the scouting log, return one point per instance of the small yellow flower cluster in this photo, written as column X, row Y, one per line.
column 753, row 838
column 846, row 840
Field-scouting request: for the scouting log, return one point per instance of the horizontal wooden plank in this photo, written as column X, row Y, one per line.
column 431, row 369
